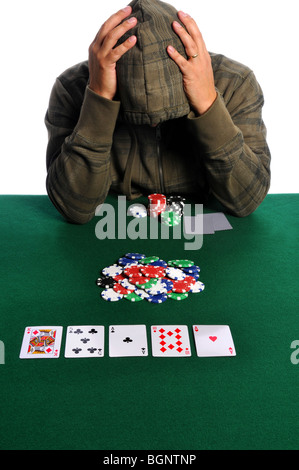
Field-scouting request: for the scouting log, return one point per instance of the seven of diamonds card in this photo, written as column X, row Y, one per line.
column 170, row 341
column 213, row 341
column 41, row 342
column 84, row 341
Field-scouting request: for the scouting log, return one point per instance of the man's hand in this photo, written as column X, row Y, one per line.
column 198, row 77
column 103, row 54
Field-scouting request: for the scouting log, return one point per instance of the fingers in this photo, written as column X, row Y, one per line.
column 191, row 37
column 112, row 22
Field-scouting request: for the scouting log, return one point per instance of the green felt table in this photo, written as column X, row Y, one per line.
column 48, row 270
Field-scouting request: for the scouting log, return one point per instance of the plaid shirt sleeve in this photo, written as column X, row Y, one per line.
column 232, row 139
column 78, row 152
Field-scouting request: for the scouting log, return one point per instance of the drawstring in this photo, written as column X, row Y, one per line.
column 127, row 182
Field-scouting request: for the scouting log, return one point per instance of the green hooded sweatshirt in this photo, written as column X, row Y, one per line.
column 147, row 139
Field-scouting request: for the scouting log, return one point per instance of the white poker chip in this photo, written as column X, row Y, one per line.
column 126, row 283
column 157, row 288
column 175, row 273
column 197, row 287
column 113, row 270
column 110, row 295
column 137, row 210
column 141, row 293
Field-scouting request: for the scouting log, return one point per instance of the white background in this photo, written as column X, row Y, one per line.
column 41, row 39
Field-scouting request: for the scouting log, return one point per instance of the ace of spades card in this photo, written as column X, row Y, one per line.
column 84, row 341
column 127, row 341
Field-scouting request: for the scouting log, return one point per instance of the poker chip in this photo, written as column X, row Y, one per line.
column 110, row 295
column 133, row 297
column 181, row 286
column 149, row 259
column 136, row 277
column 122, row 290
column 105, row 282
column 182, row 263
column 137, row 210
column 135, row 256
column 159, row 262
column 133, row 271
column 170, row 218
column 175, row 273
column 197, row 287
column 178, row 296
column 157, row 299
column 153, row 271
column 157, row 204
column 112, row 270
column 124, row 261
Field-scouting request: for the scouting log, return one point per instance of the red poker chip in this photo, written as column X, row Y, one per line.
column 181, row 286
column 138, row 280
column 157, row 197
column 190, row 280
column 119, row 277
column 153, row 271
column 133, row 271
column 121, row 289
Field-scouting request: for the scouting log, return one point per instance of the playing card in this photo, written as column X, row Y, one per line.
column 127, row 340
column 84, row 341
column 213, row 341
column 170, row 341
column 41, row 342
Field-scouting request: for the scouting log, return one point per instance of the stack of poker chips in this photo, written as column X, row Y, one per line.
column 137, row 277
column 170, row 209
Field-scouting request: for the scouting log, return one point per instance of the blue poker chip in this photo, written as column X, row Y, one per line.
column 191, row 269
column 124, row 261
column 167, row 283
column 160, row 262
column 135, row 256
column 157, row 299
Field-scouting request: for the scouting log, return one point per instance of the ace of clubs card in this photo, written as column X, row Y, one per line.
column 127, row 340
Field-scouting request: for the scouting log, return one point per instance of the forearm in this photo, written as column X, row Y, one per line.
column 235, row 155
column 79, row 164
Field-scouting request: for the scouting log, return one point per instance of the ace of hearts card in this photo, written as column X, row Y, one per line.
column 213, row 341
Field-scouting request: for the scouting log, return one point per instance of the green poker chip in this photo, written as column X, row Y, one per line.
column 170, row 218
column 182, row 263
column 133, row 297
column 149, row 259
column 178, row 296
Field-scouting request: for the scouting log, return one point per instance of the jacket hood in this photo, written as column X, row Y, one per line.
column 150, row 84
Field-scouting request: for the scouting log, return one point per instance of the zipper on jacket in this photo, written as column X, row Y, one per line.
column 159, row 155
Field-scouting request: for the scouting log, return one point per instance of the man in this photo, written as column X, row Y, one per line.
column 153, row 111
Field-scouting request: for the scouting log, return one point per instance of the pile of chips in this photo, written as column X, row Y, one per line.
column 137, row 277
column 170, row 209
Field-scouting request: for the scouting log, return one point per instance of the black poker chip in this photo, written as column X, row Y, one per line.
column 105, row 282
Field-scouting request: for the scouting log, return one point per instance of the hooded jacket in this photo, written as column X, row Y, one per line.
column 147, row 139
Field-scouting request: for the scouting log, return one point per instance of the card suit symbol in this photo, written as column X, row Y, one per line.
column 48, row 350
column 143, row 350
column 162, row 343
column 177, row 330
column 231, row 350
column 35, row 332
column 179, row 350
column 170, row 333
column 77, row 350
column 85, row 340
column 78, row 331
column 92, row 331
column 163, row 350
column 171, row 346
column 127, row 340
column 162, row 336
column 91, row 350
column 213, row 338
column 162, row 331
